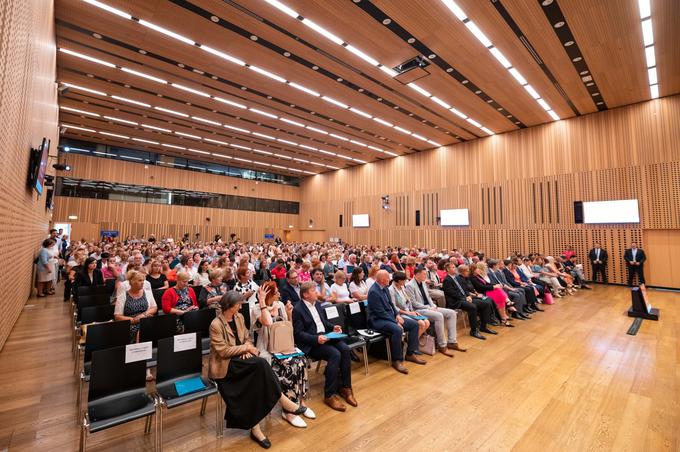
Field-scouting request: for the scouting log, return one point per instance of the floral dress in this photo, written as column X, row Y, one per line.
column 184, row 302
column 133, row 307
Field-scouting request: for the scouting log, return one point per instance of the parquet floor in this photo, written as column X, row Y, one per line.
column 571, row 379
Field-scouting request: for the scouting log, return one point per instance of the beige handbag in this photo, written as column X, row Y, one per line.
column 281, row 338
column 426, row 344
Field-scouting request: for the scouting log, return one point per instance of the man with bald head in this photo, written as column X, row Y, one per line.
column 384, row 317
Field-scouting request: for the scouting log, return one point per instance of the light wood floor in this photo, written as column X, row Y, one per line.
column 569, row 380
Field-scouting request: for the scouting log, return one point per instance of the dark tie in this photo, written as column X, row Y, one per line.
column 422, row 293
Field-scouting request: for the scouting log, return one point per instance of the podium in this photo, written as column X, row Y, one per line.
column 640, row 306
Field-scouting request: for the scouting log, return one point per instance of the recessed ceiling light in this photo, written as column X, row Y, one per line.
column 411, row 40
column 559, row 24
column 568, row 43
column 387, row 21
column 577, row 59
column 215, row 19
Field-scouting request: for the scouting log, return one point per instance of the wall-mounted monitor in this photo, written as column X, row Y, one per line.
column 454, row 217
column 620, row 211
column 360, row 220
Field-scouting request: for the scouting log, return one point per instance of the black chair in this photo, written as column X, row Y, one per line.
column 158, row 296
column 110, row 285
column 90, row 290
column 199, row 322
column 175, row 366
column 359, row 321
column 152, row 329
column 101, row 313
column 85, row 301
column 354, row 340
column 100, row 336
column 117, row 394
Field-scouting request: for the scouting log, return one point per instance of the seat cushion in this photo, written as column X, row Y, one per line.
column 115, row 410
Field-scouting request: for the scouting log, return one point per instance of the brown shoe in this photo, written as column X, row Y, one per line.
column 334, row 403
column 399, row 367
column 414, row 359
column 445, row 351
column 456, row 347
column 348, row 395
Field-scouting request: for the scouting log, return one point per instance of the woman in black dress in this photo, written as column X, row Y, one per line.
column 156, row 277
column 247, row 383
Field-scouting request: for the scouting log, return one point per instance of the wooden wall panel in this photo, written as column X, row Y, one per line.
column 28, row 112
column 131, row 218
column 109, row 170
column 519, row 186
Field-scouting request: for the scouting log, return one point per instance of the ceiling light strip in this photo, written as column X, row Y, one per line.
column 370, row 60
column 486, row 42
column 181, row 38
column 645, row 8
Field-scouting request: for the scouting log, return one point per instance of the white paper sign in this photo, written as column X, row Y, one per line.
column 332, row 312
column 354, row 308
column 138, row 352
column 185, row 342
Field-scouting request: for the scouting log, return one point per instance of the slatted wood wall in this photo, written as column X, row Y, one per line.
column 139, row 219
column 519, row 187
column 28, row 112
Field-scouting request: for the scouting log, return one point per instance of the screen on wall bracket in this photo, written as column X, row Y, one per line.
column 360, row 220
column 455, row 217
column 604, row 212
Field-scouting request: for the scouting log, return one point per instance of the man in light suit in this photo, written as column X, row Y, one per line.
column 598, row 262
column 434, row 284
column 384, row 318
column 424, row 305
column 635, row 259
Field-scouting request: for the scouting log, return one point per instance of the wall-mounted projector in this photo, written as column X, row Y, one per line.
column 412, row 70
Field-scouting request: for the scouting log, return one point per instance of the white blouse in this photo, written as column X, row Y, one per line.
column 341, row 293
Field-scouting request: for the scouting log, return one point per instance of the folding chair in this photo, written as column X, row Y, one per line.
column 336, row 314
column 117, row 394
column 174, row 366
column 199, row 322
column 152, row 329
column 359, row 321
column 100, row 336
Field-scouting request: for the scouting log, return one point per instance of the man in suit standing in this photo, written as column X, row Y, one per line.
column 310, row 327
column 635, row 259
column 384, row 318
column 457, row 298
column 598, row 262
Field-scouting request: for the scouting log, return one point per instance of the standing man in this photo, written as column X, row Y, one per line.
column 598, row 262
column 635, row 259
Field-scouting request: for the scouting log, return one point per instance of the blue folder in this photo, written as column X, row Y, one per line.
column 335, row 335
column 184, row 387
column 416, row 317
column 288, row 355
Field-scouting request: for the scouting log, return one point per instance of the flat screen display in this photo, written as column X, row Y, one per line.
column 454, row 217
column 42, row 168
column 360, row 220
column 620, row 211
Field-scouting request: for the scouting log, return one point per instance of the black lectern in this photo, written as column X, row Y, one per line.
column 640, row 304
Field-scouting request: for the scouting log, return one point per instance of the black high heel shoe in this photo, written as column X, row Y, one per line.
column 264, row 443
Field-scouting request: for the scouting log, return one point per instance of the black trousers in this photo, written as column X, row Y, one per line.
column 602, row 270
column 635, row 270
column 338, row 365
column 530, row 296
column 479, row 308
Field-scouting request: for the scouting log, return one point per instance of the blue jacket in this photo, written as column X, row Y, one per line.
column 304, row 326
column 379, row 305
column 288, row 293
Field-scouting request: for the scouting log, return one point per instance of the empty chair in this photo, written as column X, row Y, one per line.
column 175, row 366
column 199, row 322
column 100, row 336
column 152, row 329
column 90, row 300
column 90, row 290
column 117, row 394
column 92, row 314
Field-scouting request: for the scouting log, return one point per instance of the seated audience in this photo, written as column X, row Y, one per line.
column 247, row 383
column 357, row 286
column 339, row 289
column 310, row 326
column 384, row 318
column 201, row 278
column 246, row 286
column 210, row 295
column 90, row 275
column 440, row 317
column 179, row 299
column 323, row 290
column 482, row 284
column 460, row 296
column 290, row 288
column 516, row 296
column 434, row 283
column 291, row 371
column 156, row 277
column 404, row 302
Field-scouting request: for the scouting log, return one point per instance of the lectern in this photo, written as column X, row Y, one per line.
column 640, row 304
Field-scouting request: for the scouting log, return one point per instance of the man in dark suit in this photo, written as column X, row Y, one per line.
column 290, row 288
column 635, row 259
column 516, row 296
column 310, row 326
column 598, row 262
column 458, row 298
column 384, row 318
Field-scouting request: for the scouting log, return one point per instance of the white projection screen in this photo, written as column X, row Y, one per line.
column 454, row 217
column 360, row 220
column 621, row 211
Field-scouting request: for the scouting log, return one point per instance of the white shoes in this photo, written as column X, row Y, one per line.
column 309, row 414
column 295, row 422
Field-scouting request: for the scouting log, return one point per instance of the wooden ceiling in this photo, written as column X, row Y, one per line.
column 309, row 135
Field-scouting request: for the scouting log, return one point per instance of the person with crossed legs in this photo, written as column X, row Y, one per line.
column 384, row 318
